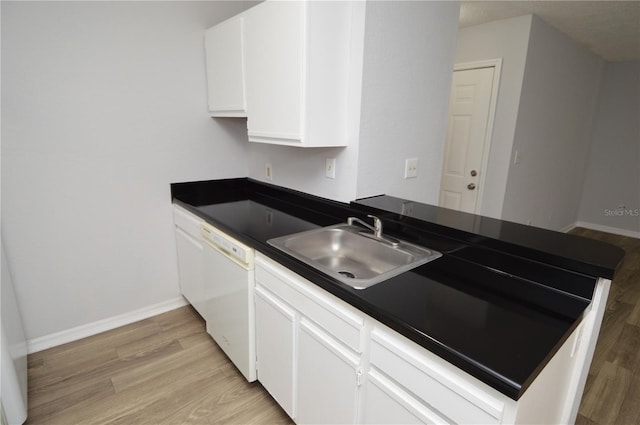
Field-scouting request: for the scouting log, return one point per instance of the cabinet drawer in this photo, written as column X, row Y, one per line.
column 187, row 221
column 440, row 385
column 330, row 313
column 387, row 403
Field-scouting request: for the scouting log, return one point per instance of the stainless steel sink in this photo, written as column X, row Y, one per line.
column 352, row 257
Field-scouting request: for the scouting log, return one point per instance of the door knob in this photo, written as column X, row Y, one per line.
column 471, row 186
column 474, row 173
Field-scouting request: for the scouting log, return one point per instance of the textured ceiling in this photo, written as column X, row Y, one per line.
column 610, row 29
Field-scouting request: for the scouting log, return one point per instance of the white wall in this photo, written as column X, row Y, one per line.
column 557, row 105
column 103, row 105
column 408, row 58
column 613, row 176
column 304, row 169
column 506, row 39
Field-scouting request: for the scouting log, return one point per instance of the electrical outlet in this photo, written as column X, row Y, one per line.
column 411, row 168
column 268, row 171
column 330, row 168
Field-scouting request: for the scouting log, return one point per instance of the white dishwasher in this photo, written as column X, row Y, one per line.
column 229, row 310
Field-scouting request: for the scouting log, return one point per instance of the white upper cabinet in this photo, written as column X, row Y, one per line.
column 225, row 68
column 275, row 54
column 291, row 61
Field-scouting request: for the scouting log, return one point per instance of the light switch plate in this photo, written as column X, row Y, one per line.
column 330, row 168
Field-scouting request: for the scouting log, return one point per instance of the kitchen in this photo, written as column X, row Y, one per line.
column 113, row 179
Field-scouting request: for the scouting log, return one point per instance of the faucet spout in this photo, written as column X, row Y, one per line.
column 376, row 228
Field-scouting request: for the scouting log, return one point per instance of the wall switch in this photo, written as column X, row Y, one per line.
column 268, row 171
column 411, row 168
column 330, row 168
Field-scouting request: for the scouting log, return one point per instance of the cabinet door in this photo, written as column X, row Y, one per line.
column 225, row 68
column 274, row 37
column 275, row 345
column 327, row 379
column 190, row 269
column 385, row 403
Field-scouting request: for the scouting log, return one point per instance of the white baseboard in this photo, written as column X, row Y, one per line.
column 601, row 228
column 83, row 331
column 567, row 229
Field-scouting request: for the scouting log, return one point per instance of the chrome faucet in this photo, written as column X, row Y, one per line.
column 376, row 228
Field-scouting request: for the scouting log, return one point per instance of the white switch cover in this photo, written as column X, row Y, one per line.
column 411, row 168
column 330, row 168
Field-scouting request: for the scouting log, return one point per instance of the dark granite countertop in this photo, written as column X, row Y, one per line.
column 498, row 304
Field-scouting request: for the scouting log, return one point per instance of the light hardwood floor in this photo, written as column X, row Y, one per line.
column 162, row 370
column 167, row 370
column 612, row 392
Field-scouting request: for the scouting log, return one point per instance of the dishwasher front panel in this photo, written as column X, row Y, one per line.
column 229, row 309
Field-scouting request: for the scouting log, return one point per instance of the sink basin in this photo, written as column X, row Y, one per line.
column 354, row 258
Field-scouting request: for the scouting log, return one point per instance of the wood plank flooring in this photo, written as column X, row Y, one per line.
column 612, row 392
column 162, row 370
column 167, row 370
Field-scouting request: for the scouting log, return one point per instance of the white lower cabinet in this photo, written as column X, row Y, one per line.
column 326, row 362
column 189, row 246
column 275, row 348
column 328, row 378
column 308, row 347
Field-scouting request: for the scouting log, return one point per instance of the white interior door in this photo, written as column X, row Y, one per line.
column 469, row 107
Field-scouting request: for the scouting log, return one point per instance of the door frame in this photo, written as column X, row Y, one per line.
column 496, row 64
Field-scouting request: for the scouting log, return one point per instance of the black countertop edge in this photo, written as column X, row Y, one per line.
column 569, row 252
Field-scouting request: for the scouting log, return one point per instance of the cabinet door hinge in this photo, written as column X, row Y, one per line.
column 359, row 377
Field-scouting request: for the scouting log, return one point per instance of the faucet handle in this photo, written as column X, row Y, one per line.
column 377, row 224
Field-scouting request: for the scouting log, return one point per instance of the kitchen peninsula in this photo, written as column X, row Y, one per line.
column 501, row 328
